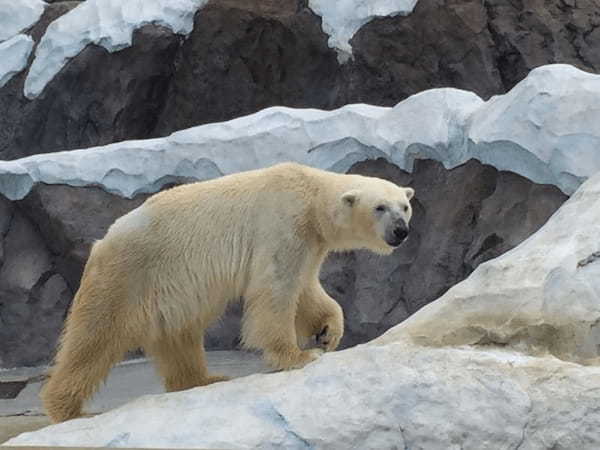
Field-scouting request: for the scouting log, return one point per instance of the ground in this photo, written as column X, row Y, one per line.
column 127, row 381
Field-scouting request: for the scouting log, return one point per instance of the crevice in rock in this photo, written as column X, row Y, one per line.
column 286, row 427
column 526, row 426
column 509, row 61
column 490, row 242
column 589, row 260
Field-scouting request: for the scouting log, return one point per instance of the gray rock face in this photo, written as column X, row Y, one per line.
column 485, row 47
column 114, row 100
column 33, row 297
column 462, row 217
column 245, row 56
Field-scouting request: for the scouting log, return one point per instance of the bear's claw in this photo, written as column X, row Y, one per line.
column 327, row 340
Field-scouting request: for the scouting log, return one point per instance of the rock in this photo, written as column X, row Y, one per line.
column 105, row 102
column 259, row 61
column 491, row 213
column 341, row 20
column 46, row 241
column 226, row 67
column 10, row 389
column 485, row 47
column 34, row 297
column 107, row 23
column 71, row 219
column 542, row 297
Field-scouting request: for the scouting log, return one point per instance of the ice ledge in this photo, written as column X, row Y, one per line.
column 544, row 129
column 18, row 15
column 14, row 54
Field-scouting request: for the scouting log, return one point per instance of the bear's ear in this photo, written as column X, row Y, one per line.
column 350, row 198
column 410, row 192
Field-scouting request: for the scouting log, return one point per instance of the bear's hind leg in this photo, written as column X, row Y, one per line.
column 84, row 360
column 181, row 360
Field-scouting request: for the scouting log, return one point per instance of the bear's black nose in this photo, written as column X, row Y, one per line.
column 401, row 232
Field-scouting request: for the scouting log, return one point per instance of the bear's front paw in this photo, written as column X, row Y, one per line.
column 329, row 338
column 307, row 356
column 295, row 360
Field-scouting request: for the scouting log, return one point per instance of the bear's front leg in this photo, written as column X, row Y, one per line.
column 269, row 325
column 321, row 316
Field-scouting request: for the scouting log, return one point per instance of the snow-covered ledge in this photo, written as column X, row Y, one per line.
column 108, row 23
column 14, row 54
column 508, row 358
column 545, row 129
column 17, row 16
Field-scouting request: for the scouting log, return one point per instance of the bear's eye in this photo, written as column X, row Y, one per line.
column 406, row 209
column 381, row 208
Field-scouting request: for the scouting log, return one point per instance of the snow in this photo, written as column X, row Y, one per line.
column 18, row 15
column 552, row 115
column 368, row 397
column 108, row 23
column 14, row 54
column 545, row 129
column 341, row 19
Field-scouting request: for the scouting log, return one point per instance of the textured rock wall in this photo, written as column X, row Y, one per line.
column 462, row 217
column 245, row 56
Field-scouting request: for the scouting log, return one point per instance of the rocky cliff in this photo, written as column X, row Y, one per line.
column 492, row 153
column 102, row 71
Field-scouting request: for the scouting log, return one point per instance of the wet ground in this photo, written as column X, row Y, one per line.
column 127, row 381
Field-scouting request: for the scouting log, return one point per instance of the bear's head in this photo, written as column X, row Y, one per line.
column 376, row 215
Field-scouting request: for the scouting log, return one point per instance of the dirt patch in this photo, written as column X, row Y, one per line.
column 14, row 425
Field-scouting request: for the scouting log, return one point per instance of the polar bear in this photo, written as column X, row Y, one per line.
column 167, row 270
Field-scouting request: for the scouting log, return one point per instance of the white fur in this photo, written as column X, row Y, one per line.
column 136, row 220
column 167, row 270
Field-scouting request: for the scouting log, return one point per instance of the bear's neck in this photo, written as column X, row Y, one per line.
column 332, row 234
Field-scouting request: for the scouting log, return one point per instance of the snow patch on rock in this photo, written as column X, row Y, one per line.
column 108, row 23
column 18, row 15
column 552, row 142
column 552, row 115
column 343, row 18
column 14, row 54
column 392, row 396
